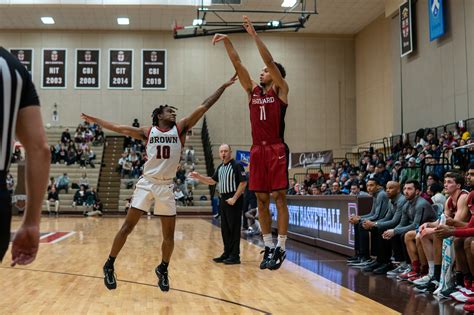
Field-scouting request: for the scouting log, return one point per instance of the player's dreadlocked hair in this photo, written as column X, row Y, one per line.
column 159, row 110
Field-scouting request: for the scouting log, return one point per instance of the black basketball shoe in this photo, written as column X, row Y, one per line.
column 277, row 259
column 267, row 254
column 163, row 281
column 109, row 278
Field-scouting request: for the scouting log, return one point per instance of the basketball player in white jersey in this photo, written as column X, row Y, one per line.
column 165, row 139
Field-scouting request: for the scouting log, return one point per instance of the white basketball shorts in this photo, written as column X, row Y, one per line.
column 146, row 192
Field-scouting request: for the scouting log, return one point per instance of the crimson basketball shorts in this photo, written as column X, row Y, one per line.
column 269, row 167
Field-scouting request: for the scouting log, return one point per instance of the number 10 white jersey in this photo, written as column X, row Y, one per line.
column 163, row 150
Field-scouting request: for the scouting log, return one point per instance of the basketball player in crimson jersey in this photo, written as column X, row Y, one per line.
column 268, row 102
column 165, row 139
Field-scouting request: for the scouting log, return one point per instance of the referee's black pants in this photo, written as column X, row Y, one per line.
column 230, row 225
column 5, row 216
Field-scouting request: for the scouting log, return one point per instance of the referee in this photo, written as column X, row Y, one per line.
column 20, row 114
column 231, row 181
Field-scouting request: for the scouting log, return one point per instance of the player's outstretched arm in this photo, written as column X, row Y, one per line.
column 243, row 74
column 266, row 56
column 137, row 133
column 188, row 122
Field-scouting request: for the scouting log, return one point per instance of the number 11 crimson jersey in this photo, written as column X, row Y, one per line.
column 163, row 150
column 267, row 116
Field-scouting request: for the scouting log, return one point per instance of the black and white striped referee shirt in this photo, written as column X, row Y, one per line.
column 228, row 177
column 16, row 92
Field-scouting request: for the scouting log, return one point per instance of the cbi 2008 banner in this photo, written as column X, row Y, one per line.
column 25, row 56
column 154, row 69
column 120, row 68
column 87, row 69
column 311, row 159
column 53, row 69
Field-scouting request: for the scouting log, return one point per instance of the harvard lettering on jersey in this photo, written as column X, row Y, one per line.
column 267, row 116
column 16, row 91
column 163, row 150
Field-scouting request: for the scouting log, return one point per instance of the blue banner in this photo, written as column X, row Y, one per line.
column 243, row 157
column 436, row 14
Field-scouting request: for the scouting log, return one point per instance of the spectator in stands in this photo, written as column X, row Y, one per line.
column 62, row 182
column 315, row 190
column 370, row 172
column 127, row 168
column 181, row 173
column 71, row 156
column 16, row 156
column 396, row 171
column 53, row 198
column 10, row 184
column 355, row 190
column 336, row 189
column 382, row 174
column 190, row 156
column 435, row 191
column 190, row 181
column 79, row 135
column 91, row 197
column 324, row 189
column 99, row 136
column 410, row 173
column 179, row 196
column 291, row 190
column 97, row 209
column 51, row 183
column 79, row 197
column 65, row 137
column 308, row 180
column 54, row 157
column 84, row 181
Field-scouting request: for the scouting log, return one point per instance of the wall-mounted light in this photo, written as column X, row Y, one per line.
column 123, row 21
column 47, row 20
column 288, row 3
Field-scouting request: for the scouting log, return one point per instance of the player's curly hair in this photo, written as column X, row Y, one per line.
column 159, row 110
column 281, row 68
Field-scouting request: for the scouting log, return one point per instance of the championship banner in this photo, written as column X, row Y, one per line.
column 154, row 69
column 436, row 14
column 406, row 29
column 53, row 69
column 311, row 159
column 25, row 56
column 87, row 69
column 243, row 157
column 120, row 68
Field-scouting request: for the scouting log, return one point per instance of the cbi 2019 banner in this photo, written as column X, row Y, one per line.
column 154, row 69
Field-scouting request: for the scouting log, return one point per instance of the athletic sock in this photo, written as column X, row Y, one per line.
column 459, row 278
column 281, row 241
column 437, row 272
column 431, row 270
column 268, row 240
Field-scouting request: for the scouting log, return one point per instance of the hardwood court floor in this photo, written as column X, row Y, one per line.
column 66, row 278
